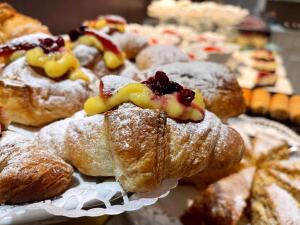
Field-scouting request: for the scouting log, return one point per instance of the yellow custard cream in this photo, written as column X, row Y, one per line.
column 111, row 59
column 141, row 95
column 55, row 64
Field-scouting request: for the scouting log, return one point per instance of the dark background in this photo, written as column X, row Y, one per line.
column 63, row 15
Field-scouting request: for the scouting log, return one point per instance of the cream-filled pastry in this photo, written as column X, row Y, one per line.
column 41, row 74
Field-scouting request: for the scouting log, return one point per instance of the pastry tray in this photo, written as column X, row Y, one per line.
column 88, row 196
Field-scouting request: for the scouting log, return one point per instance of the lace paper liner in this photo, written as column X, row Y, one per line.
column 88, row 197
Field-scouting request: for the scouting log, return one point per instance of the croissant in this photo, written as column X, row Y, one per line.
column 26, row 174
column 141, row 147
column 14, row 24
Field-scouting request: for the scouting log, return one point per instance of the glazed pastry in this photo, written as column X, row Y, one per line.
column 260, row 101
column 131, row 43
column 279, row 107
column 42, row 81
column 26, row 174
column 131, row 131
column 294, row 108
column 218, row 86
column 247, row 97
column 14, row 24
column 158, row 55
column 222, row 202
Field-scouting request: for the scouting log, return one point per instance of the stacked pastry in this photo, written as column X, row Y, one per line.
column 260, row 68
column 138, row 132
column 262, row 190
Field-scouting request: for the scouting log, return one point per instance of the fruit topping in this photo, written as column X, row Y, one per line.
column 112, row 56
column 157, row 92
column 48, row 45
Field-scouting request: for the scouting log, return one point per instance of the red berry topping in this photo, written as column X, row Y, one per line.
column 161, row 85
column 48, row 45
column 186, row 96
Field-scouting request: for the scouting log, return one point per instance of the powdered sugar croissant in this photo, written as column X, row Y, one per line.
column 141, row 147
column 26, row 174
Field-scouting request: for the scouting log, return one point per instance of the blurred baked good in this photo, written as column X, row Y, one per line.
column 259, row 198
column 294, row 108
column 279, row 107
column 158, row 55
column 260, row 101
column 222, row 202
column 36, row 88
column 14, row 24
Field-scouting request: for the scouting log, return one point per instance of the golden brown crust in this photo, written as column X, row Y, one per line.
column 33, row 99
column 4, row 120
column 28, row 175
column 294, row 109
column 14, row 24
column 279, row 107
column 260, row 101
column 138, row 146
column 203, row 145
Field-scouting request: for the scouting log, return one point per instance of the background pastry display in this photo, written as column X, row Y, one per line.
column 280, row 107
column 256, row 68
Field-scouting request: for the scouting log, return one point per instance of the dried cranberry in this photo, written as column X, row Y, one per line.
column 186, row 96
column 161, row 85
column 76, row 33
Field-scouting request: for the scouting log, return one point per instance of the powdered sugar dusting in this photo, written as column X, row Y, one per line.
column 112, row 83
column 31, row 38
column 48, row 93
column 285, row 206
column 85, row 54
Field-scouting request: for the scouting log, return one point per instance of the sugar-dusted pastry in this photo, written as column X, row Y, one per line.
column 14, row 24
column 260, row 101
column 273, row 203
column 97, row 51
column 294, row 109
column 142, row 133
column 158, row 55
column 218, row 86
column 222, row 202
column 42, row 80
column 131, row 43
column 26, row 174
column 279, row 107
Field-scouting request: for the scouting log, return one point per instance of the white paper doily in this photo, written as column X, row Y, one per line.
column 87, row 197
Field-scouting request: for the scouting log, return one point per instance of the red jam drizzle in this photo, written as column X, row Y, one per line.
column 107, row 43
